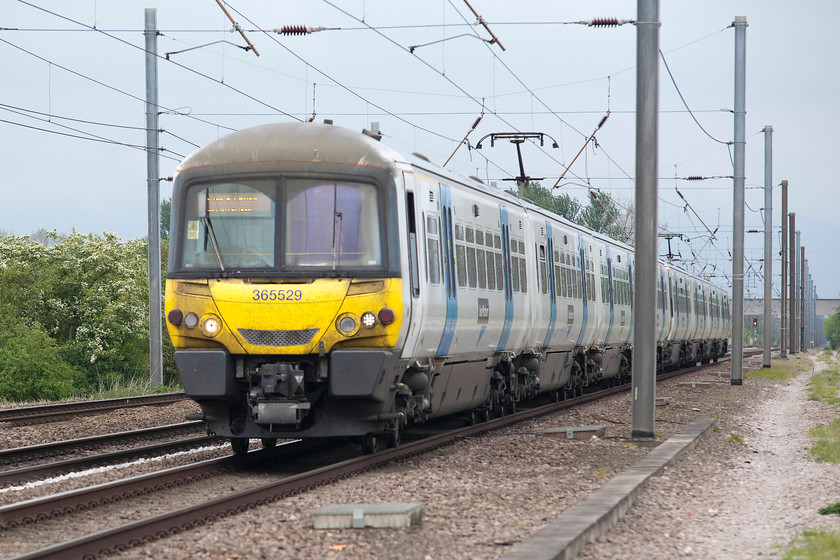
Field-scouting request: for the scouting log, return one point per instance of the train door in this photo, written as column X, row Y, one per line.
column 609, row 295
column 415, row 304
column 428, row 312
column 549, row 277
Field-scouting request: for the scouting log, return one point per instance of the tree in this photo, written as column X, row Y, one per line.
column 562, row 204
column 88, row 295
column 165, row 217
column 601, row 214
column 831, row 327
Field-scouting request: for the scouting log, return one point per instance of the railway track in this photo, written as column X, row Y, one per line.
column 27, row 415
column 24, row 475
column 172, row 522
column 52, row 450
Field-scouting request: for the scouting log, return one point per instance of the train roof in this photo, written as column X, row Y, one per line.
column 292, row 141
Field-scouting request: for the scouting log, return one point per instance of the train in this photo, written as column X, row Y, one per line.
column 320, row 284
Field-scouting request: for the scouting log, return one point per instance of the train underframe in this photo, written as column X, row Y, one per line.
column 374, row 395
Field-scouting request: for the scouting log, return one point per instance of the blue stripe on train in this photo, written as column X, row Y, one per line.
column 508, row 289
column 450, row 284
column 549, row 263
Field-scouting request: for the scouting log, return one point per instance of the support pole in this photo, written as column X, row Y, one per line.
column 783, row 341
column 740, row 25
column 153, row 180
column 647, row 164
column 803, row 299
column 768, row 243
column 794, row 286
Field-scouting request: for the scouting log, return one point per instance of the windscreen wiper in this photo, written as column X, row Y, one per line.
column 208, row 228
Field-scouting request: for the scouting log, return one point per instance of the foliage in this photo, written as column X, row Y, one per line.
column 833, row 509
column 80, row 304
column 31, row 367
column 601, row 214
column 831, row 327
column 165, row 218
column 562, row 204
column 818, row 545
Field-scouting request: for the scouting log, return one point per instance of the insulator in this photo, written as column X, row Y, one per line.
column 478, row 120
column 603, row 22
column 293, row 30
column 600, row 124
column 694, row 178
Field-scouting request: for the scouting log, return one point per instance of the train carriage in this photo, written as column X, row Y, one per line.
column 320, row 285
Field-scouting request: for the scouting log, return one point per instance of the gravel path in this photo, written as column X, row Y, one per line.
column 749, row 501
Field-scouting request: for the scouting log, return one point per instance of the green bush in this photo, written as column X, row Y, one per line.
column 80, row 302
column 30, row 364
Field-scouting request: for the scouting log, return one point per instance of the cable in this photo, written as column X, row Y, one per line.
column 92, row 139
column 673, row 81
column 103, row 84
column 187, row 68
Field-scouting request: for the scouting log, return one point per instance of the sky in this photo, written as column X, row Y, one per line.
column 72, row 112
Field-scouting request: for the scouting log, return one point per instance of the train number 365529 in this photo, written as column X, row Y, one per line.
column 277, row 295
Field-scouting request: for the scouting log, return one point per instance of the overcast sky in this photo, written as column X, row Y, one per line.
column 76, row 69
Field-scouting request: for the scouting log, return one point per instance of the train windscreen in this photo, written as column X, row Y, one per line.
column 321, row 225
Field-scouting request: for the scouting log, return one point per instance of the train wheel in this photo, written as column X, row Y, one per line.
column 370, row 444
column 269, row 443
column 554, row 395
column 484, row 414
column 393, row 437
column 470, row 418
column 239, row 445
column 510, row 408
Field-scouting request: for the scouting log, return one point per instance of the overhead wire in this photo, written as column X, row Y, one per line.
column 107, row 86
column 178, row 64
column 350, row 90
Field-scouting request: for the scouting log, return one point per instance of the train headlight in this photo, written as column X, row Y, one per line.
column 368, row 319
column 191, row 320
column 347, row 325
column 211, row 325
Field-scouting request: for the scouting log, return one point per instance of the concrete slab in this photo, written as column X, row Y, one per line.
column 359, row 516
column 696, row 384
column 663, row 401
column 592, row 517
column 576, row 432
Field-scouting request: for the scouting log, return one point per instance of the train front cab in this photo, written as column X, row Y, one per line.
column 284, row 298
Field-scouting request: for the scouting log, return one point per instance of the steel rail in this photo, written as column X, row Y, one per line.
column 47, row 507
column 60, row 411
column 53, row 449
column 58, row 468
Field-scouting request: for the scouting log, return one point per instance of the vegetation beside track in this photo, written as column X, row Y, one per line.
column 74, row 310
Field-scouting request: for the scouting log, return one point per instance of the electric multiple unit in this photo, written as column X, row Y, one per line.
column 320, row 284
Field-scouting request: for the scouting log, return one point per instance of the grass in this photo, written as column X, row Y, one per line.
column 136, row 386
column 803, row 363
column 829, row 510
column 780, row 370
column 133, row 388
column 736, row 438
column 824, row 386
column 826, row 356
column 827, row 447
column 817, row 545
